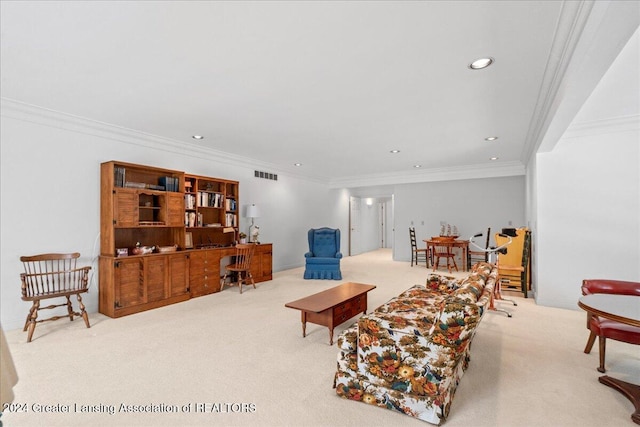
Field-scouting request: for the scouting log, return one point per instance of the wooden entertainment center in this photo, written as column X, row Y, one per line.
column 163, row 236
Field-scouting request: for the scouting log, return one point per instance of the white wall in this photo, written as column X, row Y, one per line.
column 471, row 205
column 588, row 214
column 50, row 185
column 586, row 191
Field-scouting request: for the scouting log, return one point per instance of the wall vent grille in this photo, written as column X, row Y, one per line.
column 265, row 175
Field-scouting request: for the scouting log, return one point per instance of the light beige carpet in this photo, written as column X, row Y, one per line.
column 242, row 358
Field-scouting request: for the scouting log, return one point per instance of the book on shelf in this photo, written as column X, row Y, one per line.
column 142, row 185
column 230, row 204
column 118, row 176
column 212, row 200
column 230, row 220
column 170, row 183
column 189, row 201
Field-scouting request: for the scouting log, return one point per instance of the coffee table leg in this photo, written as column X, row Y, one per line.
column 331, row 327
column 303, row 315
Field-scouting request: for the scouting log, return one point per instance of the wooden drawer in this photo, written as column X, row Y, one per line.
column 359, row 303
column 348, row 309
column 343, row 308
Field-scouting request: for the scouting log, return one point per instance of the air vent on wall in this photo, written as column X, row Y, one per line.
column 266, row 175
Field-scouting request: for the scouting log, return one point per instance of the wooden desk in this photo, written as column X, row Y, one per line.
column 332, row 307
column 462, row 244
column 624, row 309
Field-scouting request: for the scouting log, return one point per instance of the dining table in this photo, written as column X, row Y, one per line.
column 450, row 243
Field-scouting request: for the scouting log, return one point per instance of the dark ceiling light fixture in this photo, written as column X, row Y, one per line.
column 481, row 63
column 197, row 137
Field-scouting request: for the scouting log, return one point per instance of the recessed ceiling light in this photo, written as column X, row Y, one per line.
column 297, row 164
column 491, row 138
column 394, row 151
column 197, row 137
column 417, row 166
column 493, row 158
column 481, row 63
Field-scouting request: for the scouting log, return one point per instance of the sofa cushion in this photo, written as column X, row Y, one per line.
column 437, row 282
column 469, row 290
column 482, row 268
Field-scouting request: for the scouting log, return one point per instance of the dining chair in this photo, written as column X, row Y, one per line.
column 443, row 250
column 418, row 254
column 48, row 276
column 241, row 266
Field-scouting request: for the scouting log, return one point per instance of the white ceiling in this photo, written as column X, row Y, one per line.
column 332, row 85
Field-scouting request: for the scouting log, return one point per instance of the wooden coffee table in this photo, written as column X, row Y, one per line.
column 332, row 307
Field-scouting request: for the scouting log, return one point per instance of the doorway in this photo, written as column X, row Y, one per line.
column 370, row 224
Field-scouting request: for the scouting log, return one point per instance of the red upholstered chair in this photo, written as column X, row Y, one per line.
column 605, row 328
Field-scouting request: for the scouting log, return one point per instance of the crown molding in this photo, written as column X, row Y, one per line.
column 21, row 111
column 571, row 23
column 432, row 175
column 590, row 35
column 45, row 117
column 605, row 126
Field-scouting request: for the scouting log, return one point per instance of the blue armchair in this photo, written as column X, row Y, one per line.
column 323, row 258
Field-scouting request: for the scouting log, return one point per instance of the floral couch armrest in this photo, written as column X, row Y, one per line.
column 348, row 355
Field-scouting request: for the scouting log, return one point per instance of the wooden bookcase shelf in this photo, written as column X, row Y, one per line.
column 211, row 214
column 154, row 207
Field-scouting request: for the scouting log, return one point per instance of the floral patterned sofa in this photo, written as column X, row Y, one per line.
column 410, row 353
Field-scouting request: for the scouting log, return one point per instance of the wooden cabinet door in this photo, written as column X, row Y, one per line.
column 178, row 274
column 266, row 262
column 175, row 209
column 155, row 277
column 196, row 273
column 256, row 265
column 261, row 263
column 125, row 209
column 128, row 282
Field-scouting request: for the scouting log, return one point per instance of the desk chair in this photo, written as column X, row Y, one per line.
column 241, row 266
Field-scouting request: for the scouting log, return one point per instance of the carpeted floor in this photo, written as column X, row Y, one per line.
column 240, row 360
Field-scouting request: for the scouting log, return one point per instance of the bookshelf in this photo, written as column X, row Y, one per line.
column 158, row 208
column 211, row 210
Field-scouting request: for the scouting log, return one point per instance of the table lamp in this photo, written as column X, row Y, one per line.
column 253, row 213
